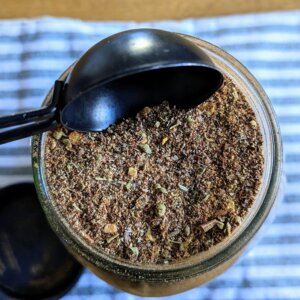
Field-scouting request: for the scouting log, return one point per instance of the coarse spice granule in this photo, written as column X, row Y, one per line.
column 163, row 186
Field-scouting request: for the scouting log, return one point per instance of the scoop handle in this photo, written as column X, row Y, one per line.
column 22, row 125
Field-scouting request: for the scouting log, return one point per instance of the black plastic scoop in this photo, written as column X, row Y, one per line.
column 119, row 76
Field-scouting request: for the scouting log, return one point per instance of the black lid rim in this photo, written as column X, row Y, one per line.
column 19, row 191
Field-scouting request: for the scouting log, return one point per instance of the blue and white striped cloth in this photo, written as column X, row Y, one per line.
column 34, row 52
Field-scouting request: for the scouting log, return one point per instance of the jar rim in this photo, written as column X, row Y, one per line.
column 191, row 266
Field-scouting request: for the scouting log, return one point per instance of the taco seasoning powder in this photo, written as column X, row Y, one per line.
column 163, row 186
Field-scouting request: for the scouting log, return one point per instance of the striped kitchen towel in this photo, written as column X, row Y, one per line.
column 34, row 52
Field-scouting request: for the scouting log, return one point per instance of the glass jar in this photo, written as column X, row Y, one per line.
column 162, row 280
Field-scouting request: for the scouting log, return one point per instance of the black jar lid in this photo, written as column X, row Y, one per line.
column 33, row 262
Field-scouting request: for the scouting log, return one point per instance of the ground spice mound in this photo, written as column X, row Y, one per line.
column 163, row 186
